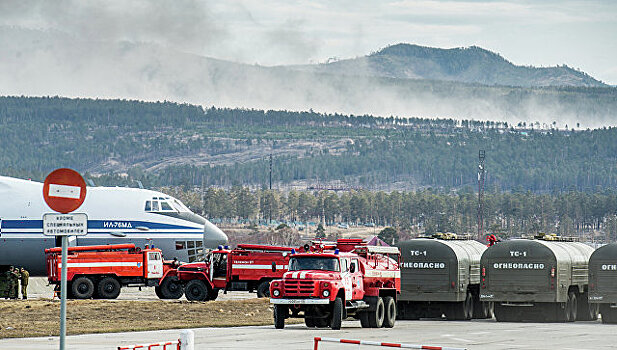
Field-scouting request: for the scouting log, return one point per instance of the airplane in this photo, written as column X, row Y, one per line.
column 115, row 215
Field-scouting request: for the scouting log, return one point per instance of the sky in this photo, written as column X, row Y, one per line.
column 581, row 34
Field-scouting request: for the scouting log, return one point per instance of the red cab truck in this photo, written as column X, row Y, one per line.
column 101, row 271
column 249, row 267
column 328, row 284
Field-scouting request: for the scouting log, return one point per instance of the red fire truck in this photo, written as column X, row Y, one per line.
column 331, row 283
column 100, row 271
column 249, row 267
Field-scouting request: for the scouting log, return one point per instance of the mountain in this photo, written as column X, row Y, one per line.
column 463, row 64
column 50, row 63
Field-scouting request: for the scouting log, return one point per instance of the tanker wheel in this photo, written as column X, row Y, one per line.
column 468, row 306
column 457, row 311
column 171, row 288
column 280, row 313
column 573, row 303
column 390, row 315
column 196, row 290
column 586, row 311
column 263, row 290
column 609, row 315
column 504, row 313
column 108, row 288
column 375, row 317
column 82, row 288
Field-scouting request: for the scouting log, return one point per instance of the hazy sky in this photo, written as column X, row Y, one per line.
column 581, row 34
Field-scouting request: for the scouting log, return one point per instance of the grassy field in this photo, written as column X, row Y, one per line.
column 38, row 318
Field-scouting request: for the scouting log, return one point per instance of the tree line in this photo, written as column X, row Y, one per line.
column 507, row 214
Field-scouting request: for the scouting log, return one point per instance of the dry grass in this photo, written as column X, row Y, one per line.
column 36, row 318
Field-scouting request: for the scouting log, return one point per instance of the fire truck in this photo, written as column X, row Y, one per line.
column 327, row 284
column 100, row 271
column 249, row 267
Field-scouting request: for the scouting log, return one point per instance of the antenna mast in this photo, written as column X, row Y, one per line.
column 481, row 155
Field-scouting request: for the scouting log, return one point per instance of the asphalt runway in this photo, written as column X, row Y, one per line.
column 477, row 334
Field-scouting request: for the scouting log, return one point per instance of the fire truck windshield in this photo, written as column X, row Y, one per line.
column 313, row 263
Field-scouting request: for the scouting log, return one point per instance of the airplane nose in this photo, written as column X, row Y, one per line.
column 214, row 236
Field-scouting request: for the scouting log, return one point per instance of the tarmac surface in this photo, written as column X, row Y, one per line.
column 478, row 334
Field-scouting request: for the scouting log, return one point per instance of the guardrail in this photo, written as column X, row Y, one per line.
column 375, row 343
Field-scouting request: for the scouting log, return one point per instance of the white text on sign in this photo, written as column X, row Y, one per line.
column 65, row 224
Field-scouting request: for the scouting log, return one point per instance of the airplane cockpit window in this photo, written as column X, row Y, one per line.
column 179, row 206
column 166, row 207
column 160, row 204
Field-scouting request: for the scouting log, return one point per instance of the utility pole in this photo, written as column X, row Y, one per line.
column 481, row 156
column 271, row 195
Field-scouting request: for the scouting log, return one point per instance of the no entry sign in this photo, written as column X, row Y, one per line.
column 64, row 190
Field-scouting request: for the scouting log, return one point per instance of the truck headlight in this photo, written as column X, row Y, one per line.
column 276, row 292
column 325, row 293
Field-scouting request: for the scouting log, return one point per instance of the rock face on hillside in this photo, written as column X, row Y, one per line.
column 470, row 65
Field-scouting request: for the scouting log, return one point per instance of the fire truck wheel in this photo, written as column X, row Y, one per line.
column 196, row 290
column 263, row 290
column 390, row 316
column 214, row 293
column 375, row 318
column 171, row 288
column 337, row 314
column 82, row 288
column 280, row 312
column 309, row 321
column 108, row 288
column 364, row 319
column 157, row 291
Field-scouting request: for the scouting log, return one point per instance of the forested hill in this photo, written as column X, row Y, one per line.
column 463, row 64
column 178, row 144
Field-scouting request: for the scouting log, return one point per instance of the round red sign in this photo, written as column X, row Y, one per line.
column 64, row 190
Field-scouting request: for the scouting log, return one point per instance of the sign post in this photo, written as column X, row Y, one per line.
column 64, row 191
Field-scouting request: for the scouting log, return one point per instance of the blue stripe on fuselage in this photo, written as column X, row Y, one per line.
column 99, row 224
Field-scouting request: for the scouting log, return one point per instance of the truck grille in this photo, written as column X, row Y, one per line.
column 299, row 288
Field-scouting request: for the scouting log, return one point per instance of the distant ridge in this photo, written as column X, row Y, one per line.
column 463, row 64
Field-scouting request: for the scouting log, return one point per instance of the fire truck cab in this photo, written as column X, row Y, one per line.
column 330, row 283
column 249, row 267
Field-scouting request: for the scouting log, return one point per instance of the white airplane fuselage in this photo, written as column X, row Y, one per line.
column 115, row 215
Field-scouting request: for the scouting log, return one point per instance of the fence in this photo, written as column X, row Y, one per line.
column 375, row 343
column 185, row 342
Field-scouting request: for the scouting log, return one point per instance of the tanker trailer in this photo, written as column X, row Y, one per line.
column 441, row 275
column 603, row 281
column 541, row 279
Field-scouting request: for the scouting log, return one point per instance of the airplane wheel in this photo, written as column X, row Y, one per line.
column 82, row 288
column 196, row 290
column 108, row 288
